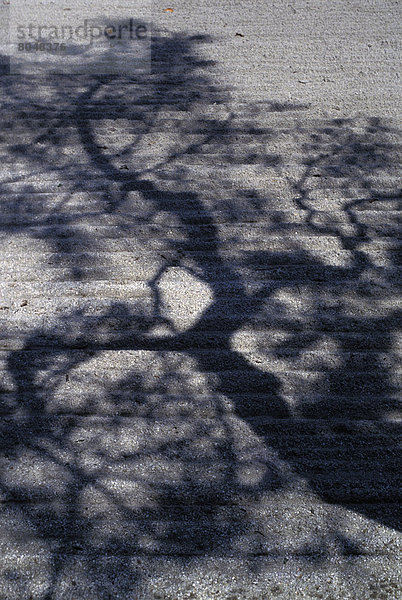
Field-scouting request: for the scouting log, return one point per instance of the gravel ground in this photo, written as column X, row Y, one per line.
column 199, row 309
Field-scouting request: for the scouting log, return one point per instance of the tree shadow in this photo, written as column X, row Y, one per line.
column 286, row 374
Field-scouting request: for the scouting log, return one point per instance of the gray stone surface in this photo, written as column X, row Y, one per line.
column 199, row 312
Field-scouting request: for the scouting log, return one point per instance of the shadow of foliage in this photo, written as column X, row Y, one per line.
column 125, row 432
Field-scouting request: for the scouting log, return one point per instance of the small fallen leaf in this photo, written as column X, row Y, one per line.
column 170, row 10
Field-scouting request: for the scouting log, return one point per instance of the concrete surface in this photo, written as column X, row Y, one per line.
column 199, row 306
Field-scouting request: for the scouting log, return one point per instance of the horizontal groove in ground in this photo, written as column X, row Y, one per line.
column 278, row 158
column 40, row 181
column 126, row 406
column 359, row 468
column 248, row 265
column 126, row 403
column 356, row 465
column 240, row 200
column 263, row 297
column 166, row 510
column 342, row 492
column 200, row 119
column 111, row 334
column 77, row 159
column 219, row 234
column 364, row 290
column 90, row 555
column 328, row 456
column 223, row 357
column 219, row 280
column 296, row 428
column 246, row 276
column 287, row 374
column 221, row 284
column 224, row 177
column 119, row 340
column 276, row 360
column 212, row 198
column 177, row 217
column 199, row 153
column 127, row 251
column 323, row 467
column 123, row 406
column 215, row 108
column 232, row 565
column 360, row 200
column 212, row 235
column 209, row 516
column 158, row 459
column 112, row 204
column 183, row 535
column 266, row 312
column 309, row 226
column 168, row 92
column 129, row 403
